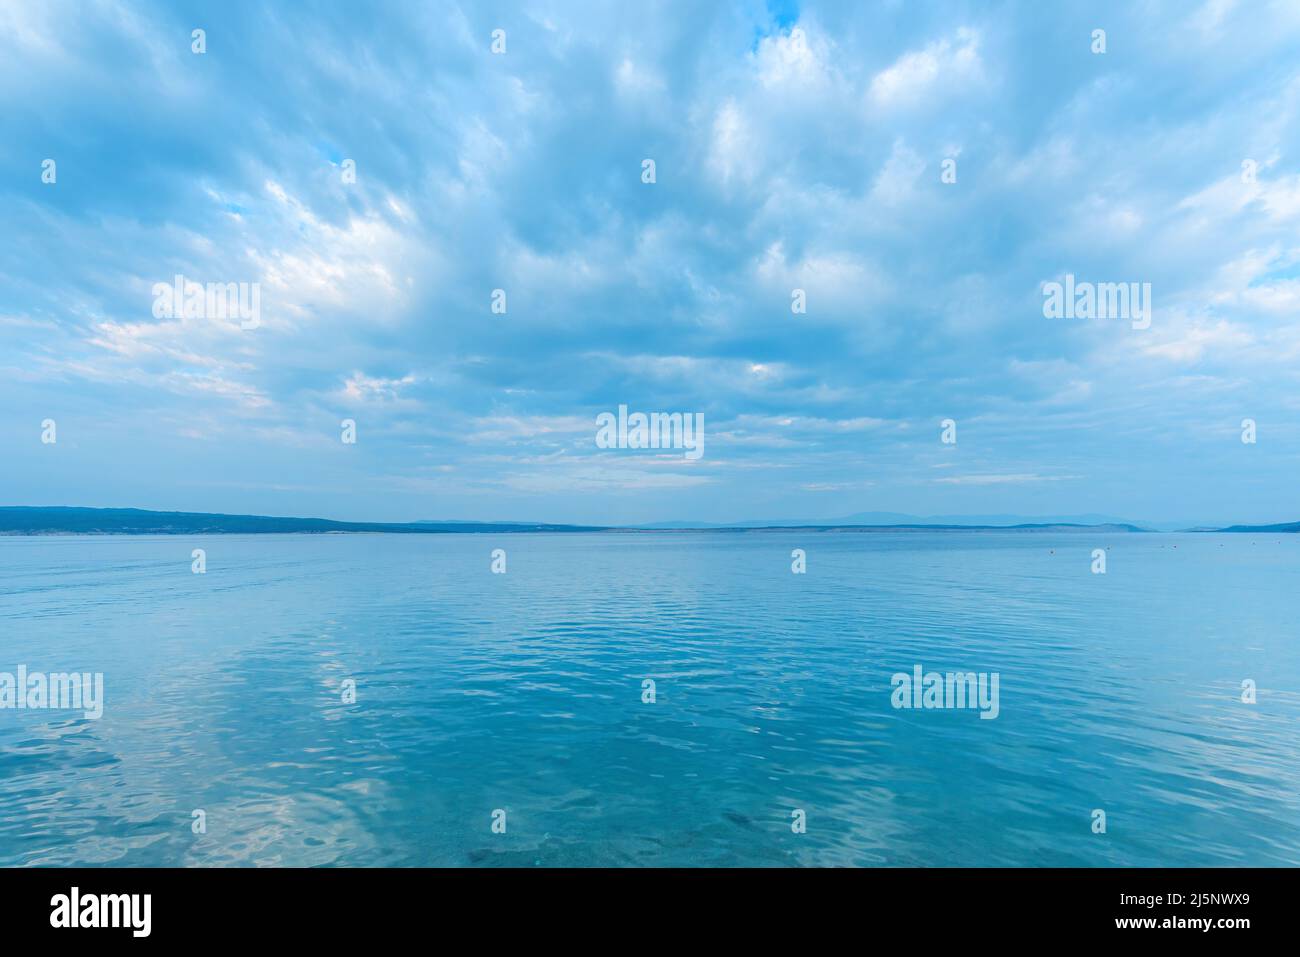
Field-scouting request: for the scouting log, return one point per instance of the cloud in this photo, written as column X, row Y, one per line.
column 945, row 65
column 1020, row 478
column 800, row 149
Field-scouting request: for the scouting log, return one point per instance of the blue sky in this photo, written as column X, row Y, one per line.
column 796, row 146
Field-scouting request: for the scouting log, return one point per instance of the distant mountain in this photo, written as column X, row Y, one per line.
column 899, row 519
column 1026, row 527
column 18, row 520
column 67, row 520
column 1287, row 528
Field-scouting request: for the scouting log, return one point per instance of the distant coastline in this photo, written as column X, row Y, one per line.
column 72, row 520
column 69, row 520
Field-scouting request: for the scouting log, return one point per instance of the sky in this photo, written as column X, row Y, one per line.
column 796, row 146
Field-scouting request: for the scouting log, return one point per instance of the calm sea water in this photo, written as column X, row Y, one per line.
column 523, row 692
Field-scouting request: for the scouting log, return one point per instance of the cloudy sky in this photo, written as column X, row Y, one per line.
column 796, row 146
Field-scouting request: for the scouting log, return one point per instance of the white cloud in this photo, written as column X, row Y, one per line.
column 1190, row 343
column 898, row 176
column 632, row 79
column 1015, row 478
column 790, row 60
column 362, row 388
column 733, row 153
column 950, row 64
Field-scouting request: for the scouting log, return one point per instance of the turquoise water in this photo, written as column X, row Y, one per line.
column 523, row 692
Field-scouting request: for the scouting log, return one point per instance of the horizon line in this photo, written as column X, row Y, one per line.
column 316, row 525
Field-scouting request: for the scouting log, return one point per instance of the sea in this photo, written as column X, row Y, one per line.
column 659, row 698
